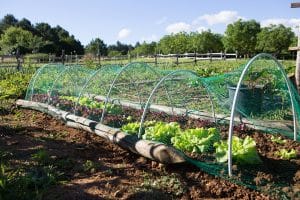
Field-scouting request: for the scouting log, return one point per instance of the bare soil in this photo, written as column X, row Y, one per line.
column 115, row 173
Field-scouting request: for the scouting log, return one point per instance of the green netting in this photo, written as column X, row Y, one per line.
column 145, row 102
column 67, row 87
column 92, row 96
column 129, row 90
column 42, row 81
column 264, row 100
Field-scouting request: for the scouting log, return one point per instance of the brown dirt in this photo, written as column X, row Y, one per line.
column 119, row 174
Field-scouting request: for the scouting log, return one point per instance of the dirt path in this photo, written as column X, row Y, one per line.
column 91, row 168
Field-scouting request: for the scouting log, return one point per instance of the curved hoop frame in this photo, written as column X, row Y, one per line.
column 157, row 86
column 236, row 94
column 33, row 80
column 87, row 82
column 116, row 78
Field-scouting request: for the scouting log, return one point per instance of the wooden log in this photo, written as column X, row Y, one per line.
column 149, row 149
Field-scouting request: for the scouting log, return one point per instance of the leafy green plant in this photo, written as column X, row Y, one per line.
column 243, row 151
column 131, row 128
column 286, row 154
column 277, row 140
column 197, row 140
column 162, row 132
column 85, row 101
column 90, row 166
column 41, row 156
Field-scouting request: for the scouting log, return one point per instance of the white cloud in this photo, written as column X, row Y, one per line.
column 178, row 27
column 294, row 23
column 161, row 21
column 201, row 29
column 124, row 33
column 222, row 17
column 150, row 38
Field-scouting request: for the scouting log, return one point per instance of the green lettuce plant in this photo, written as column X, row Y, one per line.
column 243, row 151
column 131, row 128
column 196, row 140
column 286, row 154
column 162, row 132
column 277, row 140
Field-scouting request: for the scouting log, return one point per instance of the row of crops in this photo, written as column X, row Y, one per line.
column 190, row 113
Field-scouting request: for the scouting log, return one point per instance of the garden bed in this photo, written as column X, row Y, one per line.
column 273, row 171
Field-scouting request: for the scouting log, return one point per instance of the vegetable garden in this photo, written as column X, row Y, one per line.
column 215, row 123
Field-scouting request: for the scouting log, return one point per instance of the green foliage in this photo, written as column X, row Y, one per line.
column 85, row 101
column 274, row 39
column 39, row 38
column 286, row 154
column 29, row 183
column 243, row 151
column 241, row 36
column 197, row 140
column 131, row 128
column 205, row 41
column 96, row 46
column 14, row 86
column 145, row 49
column 90, row 166
column 16, row 38
column 41, row 156
column 277, row 139
column 113, row 53
column 162, row 132
column 170, row 183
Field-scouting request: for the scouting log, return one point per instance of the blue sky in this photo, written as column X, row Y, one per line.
column 130, row 21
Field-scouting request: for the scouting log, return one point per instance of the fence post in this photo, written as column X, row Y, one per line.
column 195, row 58
column 210, row 57
column 224, row 55
column 221, row 55
column 129, row 56
column 177, row 62
column 18, row 57
column 76, row 59
column 155, row 57
column 63, row 57
column 236, row 55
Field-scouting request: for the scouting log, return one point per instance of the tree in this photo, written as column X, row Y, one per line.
column 96, row 46
column 7, row 21
column 145, row 49
column 175, row 43
column 206, row 41
column 122, row 48
column 274, row 39
column 25, row 24
column 241, row 36
column 15, row 38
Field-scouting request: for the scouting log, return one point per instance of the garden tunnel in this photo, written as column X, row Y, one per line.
column 258, row 94
column 186, row 96
column 42, row 81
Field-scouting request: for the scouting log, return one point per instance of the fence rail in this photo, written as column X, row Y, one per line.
column 12, row 61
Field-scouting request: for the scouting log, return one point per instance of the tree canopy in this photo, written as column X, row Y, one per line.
column 38, row 38
column 275, row 39
column 245, row 37
column 241, row 36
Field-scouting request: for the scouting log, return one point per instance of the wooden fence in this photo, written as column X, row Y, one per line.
column 12, row 61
